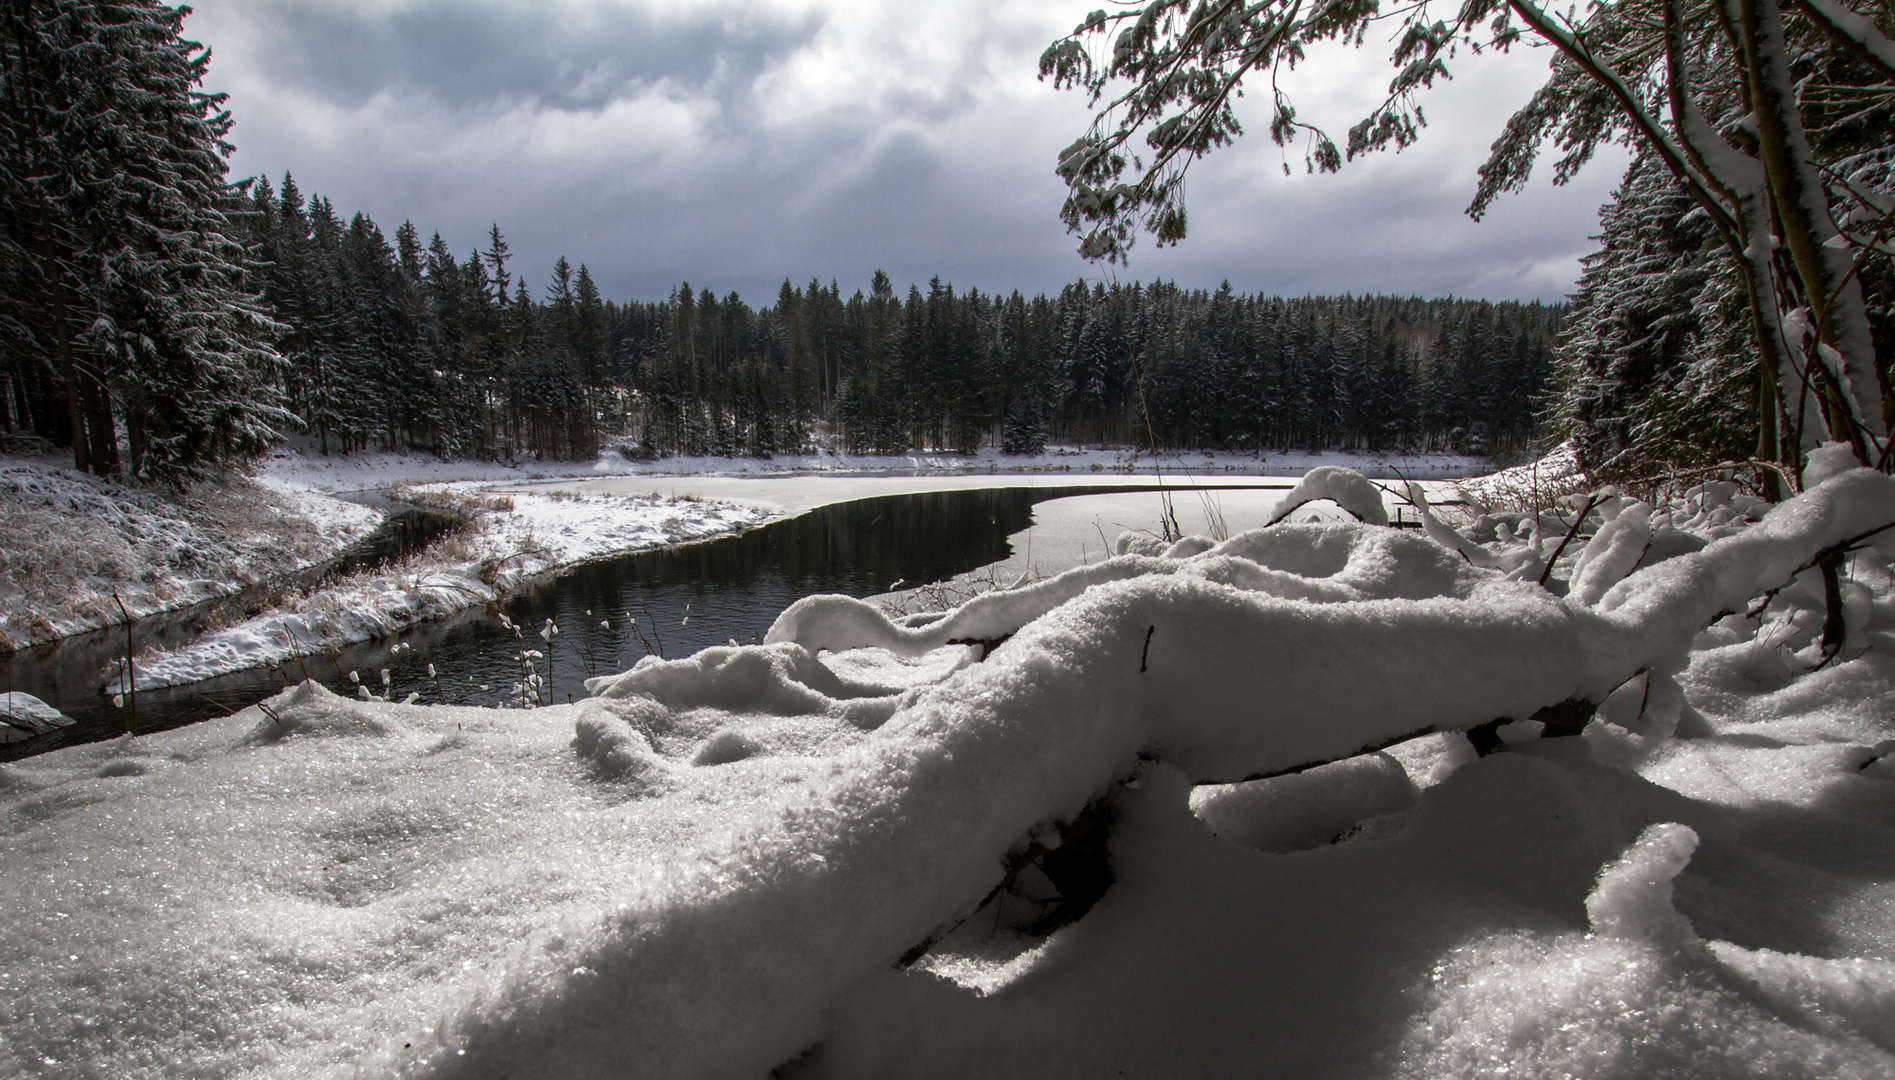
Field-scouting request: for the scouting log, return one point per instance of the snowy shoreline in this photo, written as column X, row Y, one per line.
column 767, row 856
column 185, row 563
column 510, row 543
column 76, row 547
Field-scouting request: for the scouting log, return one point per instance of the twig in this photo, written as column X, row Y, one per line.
column 1578, row 523
column 645, row 606
column 1768, row 595
column 296, row 650
column 227, row 709
column 131, row 673
column 1842, row 547
column 1147, row 649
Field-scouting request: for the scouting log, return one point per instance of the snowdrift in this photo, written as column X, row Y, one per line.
column 766, row 857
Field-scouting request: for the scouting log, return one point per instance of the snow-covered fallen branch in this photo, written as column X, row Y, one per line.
column 1402, row 636
column 718, row 866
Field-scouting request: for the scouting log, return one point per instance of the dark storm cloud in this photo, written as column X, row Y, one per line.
column 472, row 54
column 740, row 143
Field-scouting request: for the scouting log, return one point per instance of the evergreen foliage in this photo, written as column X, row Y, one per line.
column 127, row 297
column 401, row 346
column 1651, row 378
column 1659, row 366
column 1771, row 117
column 146, row 303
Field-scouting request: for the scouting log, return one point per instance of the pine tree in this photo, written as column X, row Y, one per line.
column 588, row 339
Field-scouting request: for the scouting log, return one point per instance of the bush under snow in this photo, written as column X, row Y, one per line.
column 767, row 856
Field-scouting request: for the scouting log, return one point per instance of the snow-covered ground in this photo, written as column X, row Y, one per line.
column 70, row 541
column 295, row 464
column 864, row 850
column 1069, row 459
column 510, row 540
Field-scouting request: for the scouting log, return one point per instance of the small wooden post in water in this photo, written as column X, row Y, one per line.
column 131, row 687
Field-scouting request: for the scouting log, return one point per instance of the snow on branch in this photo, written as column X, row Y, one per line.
column 1277, row 649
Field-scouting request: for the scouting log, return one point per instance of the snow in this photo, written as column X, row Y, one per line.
column 511, row 542
column 296, row 465
column 712, row 866
column 1077, row 530
column 1344, row 487
column 1858, row 27
column 1553, row 475
column 69, row 542
column 22, row 716
column 73, row 541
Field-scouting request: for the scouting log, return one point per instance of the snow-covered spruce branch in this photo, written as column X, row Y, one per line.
column 1574, row 48
column 1632, row 68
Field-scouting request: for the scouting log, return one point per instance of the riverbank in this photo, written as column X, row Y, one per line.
column 69, row 541
column 297, row 465
column 507, row 543
column 766, row 857
column 524, row 522
column 74, row 547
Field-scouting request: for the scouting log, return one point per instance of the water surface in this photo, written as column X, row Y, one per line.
column 610, row 613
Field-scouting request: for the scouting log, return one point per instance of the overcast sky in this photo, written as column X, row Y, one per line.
column 734, row 143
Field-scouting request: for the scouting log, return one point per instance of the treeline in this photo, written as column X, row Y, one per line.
column 403, row 346
column 159, row 321
column 1689, row 346
column 399, row 344
column 129, row 316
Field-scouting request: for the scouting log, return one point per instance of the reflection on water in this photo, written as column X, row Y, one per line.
column 608, row 612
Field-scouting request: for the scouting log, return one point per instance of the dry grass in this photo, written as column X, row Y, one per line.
column 68, row 540
column 950, row 594
column 456, row 502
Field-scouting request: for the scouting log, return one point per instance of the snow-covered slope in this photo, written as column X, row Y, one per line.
column 69, row 541
column 508, row 541
column 715, row 865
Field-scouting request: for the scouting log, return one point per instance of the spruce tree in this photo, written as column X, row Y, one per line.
column 128, row 293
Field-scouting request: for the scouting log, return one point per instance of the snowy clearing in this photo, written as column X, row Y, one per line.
column 767, row 856
column 296, row 465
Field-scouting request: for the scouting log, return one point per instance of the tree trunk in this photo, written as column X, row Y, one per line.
column 1802, row 209
column 1744, row 201
column 135, row 434
column 75, row 414
column 100, row 429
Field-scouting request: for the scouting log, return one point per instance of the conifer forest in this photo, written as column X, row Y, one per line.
column 403, row 346
column 154, row 307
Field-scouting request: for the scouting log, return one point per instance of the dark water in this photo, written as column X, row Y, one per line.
column 675, row 600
